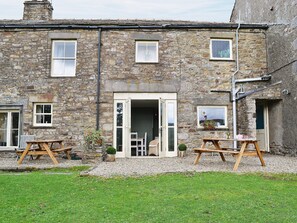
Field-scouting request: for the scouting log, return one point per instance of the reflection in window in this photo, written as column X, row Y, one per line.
column 146, row 52
column 171, row 125
column 119, row 127
column 215, row 114
column 221, row 49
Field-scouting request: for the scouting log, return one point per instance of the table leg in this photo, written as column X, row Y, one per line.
column 197, row 158
column 24, row 153
column 239, row 156
column 259, row 153
column 45, row 146
column 217, row 145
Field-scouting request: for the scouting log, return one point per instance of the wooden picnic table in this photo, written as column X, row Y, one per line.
column 44, row 147
column 243, row 151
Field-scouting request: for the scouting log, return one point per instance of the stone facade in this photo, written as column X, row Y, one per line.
column 282, row 62
column 184, row 68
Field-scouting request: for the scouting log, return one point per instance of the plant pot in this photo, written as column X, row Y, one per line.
column 110, row 158
column 181, row 153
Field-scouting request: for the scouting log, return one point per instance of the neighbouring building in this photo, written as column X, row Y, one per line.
column 281, row 40
column 60, row 78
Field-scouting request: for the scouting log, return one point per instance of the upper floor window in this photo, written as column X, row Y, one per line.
column 63, row 58
column 221, row 49
column 146, row 52
column 43, row 114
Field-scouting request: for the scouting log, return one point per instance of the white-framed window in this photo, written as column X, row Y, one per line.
column 43, row 114
column 221, row 49
column 147, row 52
column 213, row 115
column 9, row 128
column 63, row 58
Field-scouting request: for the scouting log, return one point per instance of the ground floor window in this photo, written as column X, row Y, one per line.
column 212, row 115
column 9, row 128
column 43, row 114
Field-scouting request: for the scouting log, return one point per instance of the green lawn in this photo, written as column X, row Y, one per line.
column 64, row 196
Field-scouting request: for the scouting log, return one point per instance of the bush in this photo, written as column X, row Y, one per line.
column 111, row 150
column 182, row 147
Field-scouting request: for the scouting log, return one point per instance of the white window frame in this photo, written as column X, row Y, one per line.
column 35, row 115
column 219, row 58
column 63, row 58
column 219, row 106
column 156, row 60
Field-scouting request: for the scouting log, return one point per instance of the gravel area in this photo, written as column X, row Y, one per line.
column 153, row 165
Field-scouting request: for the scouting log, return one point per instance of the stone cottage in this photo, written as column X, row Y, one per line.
column 163, row 80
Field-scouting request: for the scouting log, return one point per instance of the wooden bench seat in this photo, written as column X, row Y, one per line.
column 206, row 150
column 66, row 150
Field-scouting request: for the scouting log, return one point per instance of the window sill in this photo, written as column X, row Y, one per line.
column 62, row 76
column 222, row 60
column 42, row 127
column 146, row 62
column 217, row 129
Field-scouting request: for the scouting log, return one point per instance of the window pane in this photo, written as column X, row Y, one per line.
column 220, row 49
column 39, row 119
column 48, row 119
column 14, row 138
column 215, row 114
column 58, row 67
column 147, row 52
column 39, row 108
column 170, row 114
column 15, row 120
column 170, row 139
column 119, row 114
column 59, row 49
column 70, row 49
column 47, row 108
column 3, row 120
column 69, row 67
column 119, row 139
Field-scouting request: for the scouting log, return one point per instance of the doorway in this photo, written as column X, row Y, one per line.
column 151, row 117
column 262, row 125
column 9, row 128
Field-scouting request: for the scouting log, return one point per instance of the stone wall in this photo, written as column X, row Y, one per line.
column 282, row 55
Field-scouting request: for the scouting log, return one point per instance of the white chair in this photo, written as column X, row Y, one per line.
column 142, row 146
column 134, row 143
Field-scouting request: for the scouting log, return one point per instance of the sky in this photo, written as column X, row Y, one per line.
column 193, row 10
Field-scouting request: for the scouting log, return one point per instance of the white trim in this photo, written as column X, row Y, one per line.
column 155, row 60
column 145, row 96
column 212, row 106
column 219, row 58
column 9, row 129
column 63, row 58
column 34, row 115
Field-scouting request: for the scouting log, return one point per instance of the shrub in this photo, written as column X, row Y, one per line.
column 111, row 150
column 182, row 147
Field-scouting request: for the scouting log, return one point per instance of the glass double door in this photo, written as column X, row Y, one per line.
column 9, row 129
column 149, row 114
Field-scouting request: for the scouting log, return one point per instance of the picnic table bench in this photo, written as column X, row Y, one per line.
column 239, row 153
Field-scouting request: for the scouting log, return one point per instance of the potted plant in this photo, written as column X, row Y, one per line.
column 93, row 142
column 182, row 150
column 110, row 151
column 209, row 125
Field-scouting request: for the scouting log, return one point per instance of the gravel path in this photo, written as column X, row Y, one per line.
column 151, row 166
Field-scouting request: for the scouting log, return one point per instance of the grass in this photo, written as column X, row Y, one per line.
column 63, row 196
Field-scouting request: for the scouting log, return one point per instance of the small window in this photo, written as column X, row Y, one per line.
column 221, row 49
column 63, row 58
column 212, row 116
column 146, row 52
column 43, row 114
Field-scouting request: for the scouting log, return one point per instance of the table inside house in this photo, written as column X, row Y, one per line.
column 45, row 147
column 238, row 153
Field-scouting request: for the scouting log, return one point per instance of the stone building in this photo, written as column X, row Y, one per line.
column 281, row 40
column 60, row 78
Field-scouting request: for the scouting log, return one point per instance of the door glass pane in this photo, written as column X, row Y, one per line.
column 119, row 139
column 119, row 114
column 170, row 114
column 170, row 139
column 3, row 129
column 14, row 136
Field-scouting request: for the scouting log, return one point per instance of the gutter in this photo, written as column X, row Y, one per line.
column 110, row 27
column 98, row 80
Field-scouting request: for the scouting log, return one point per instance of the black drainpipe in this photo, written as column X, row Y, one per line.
column 98, row 79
